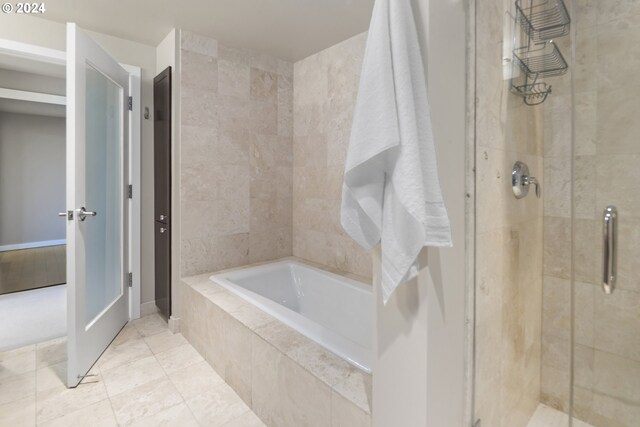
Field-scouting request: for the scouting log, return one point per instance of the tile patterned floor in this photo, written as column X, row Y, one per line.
column 147, row 377
column 546, row 416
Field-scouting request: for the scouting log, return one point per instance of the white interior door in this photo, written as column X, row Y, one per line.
column 97, row 179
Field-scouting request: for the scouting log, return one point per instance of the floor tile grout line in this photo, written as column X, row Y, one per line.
column 166, row 375
column 177, row 389
column 113, row 411
column 76, row 409
column 142, row 339
column 100, row 372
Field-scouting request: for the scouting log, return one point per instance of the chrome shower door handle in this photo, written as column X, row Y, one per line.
column 609, row 249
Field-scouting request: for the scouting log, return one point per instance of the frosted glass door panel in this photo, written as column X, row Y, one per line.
column 97, row 230
column 103, row 159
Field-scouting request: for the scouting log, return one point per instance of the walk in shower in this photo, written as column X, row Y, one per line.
column 557, row 278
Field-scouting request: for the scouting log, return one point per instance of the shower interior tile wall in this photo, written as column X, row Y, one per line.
column 509, row 238
column 250, row 191
column 607, row 341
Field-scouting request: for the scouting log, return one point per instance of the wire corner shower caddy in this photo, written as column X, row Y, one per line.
column 541, row 21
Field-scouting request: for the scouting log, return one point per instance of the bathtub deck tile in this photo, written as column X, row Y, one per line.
column 357, row 389
column 282, row 337
column 252, row 317
column 198, row 282
column 206, row 287
column 226, row 300
column 345, row 413
column 325, row 365
column 281, row 361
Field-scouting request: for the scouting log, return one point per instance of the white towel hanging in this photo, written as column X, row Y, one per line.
column 391, row 192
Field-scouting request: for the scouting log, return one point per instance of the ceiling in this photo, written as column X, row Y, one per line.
column 288, row 29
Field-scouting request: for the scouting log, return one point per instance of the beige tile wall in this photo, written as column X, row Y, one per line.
column 508, row 240
column 607, row 327
column 325, row 87
column 556, row 318
column 236, row 156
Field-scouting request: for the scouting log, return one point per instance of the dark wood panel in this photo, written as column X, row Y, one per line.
column 162, row 145
column 162, row 189
column 163, row 268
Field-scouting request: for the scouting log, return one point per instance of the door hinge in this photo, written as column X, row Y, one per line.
column 130, row 280
column 131, row 103
column 130, row 191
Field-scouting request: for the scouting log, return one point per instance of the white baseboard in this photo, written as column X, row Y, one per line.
column 30, row 245
column 147, row 308
column 174, row 324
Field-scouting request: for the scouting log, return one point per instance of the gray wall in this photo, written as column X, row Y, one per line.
column 21, row 80
column 32, row 178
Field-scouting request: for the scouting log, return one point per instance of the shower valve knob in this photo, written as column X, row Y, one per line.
column 521, row 181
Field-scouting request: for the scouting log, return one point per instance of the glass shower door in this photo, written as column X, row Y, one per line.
column 606, row 215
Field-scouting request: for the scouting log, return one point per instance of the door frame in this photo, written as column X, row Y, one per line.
column 53, row 56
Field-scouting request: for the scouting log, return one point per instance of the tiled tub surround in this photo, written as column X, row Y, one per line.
column 332, row 310
column 286, row 378
column 250, row 190
column 325, row 88
column 235, row 156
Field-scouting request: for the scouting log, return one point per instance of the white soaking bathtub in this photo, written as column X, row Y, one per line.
column 332, row 310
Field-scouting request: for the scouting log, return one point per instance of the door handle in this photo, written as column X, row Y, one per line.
column 83, row 213
column 609, row 249
column 68, row 215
